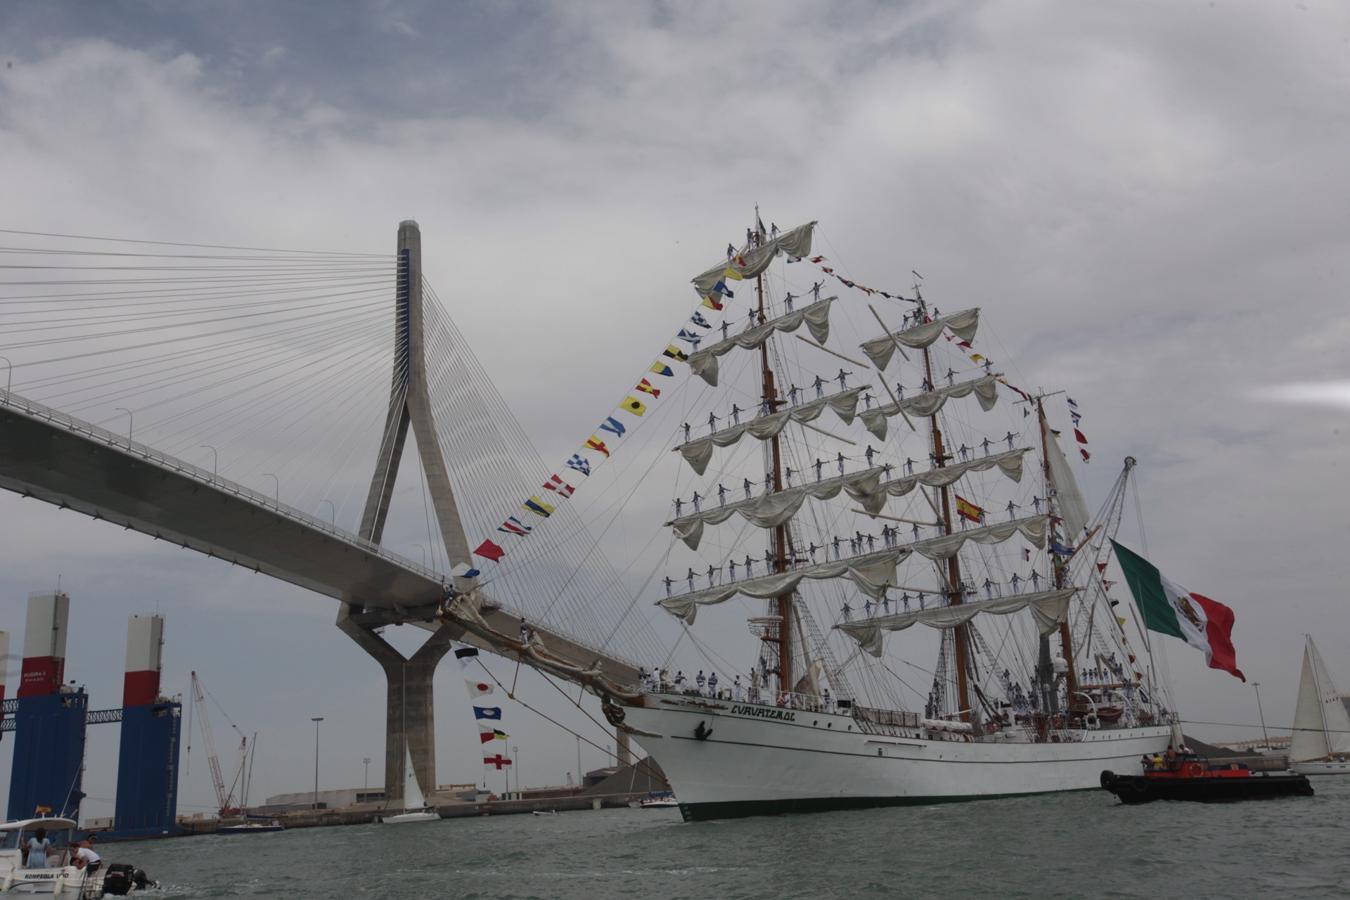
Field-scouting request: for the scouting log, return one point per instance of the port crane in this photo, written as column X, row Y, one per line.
column 225, row 797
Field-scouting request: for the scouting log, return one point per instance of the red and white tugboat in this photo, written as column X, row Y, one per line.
column 1187, row 776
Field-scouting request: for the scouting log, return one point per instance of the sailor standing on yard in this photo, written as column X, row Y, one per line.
column 701, row 681
column 712, row 685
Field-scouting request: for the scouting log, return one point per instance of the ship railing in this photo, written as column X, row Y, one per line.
column 755, row 697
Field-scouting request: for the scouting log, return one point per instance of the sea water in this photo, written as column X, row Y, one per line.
column 1080, row 845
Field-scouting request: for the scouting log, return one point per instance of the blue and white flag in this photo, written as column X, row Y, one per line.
column 697, row 319
column 487, row 712
column 613, row 426
column 1060, row 550
column 580, row 463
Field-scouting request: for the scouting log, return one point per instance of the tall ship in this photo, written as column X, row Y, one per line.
column 853, row 464
column 843, row 541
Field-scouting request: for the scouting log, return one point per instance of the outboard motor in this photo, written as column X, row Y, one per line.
column 119, row 879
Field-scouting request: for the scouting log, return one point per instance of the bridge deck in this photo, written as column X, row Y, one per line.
column 69, row 463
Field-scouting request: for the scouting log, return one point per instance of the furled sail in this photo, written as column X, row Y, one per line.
column 773, row 509
column 963, row 324
column 873, row 573
column 1048, row 608
column 703, row 363
column 698, row 452
column 1009, row 462
column 948, row 545
column 985, row 389
column 796, row 243
column 1321, row 723
column 1068, row 498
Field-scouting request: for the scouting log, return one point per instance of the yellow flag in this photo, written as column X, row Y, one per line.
column 733, row 274
column 634, row 405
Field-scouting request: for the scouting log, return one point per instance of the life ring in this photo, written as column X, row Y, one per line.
column 1193, row 769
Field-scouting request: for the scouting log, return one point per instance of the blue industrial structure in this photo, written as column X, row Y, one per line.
column 48, row 754
column 147, row 770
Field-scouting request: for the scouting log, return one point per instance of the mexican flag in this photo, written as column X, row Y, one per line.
column 1168, row 608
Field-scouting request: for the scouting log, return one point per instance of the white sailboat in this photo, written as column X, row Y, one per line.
column 1321, row 741
column 415, row 807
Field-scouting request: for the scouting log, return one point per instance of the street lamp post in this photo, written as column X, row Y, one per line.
column 131, row 420
column 515, row 752
column 276, row 487
column 316, row 720
column 1260, row 712
column 366, row 787
column 215, row 458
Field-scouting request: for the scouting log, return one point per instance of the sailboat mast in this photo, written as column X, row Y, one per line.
column 771, row 402
column 1059, row 566
column 955, row 594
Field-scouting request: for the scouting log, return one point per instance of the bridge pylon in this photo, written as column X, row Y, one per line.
column 410, row 715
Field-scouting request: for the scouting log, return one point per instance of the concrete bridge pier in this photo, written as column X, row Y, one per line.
column 410, row 717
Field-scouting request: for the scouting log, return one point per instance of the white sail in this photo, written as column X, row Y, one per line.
column 926, row 404
column 699, row 452
column 703, row 362
column 1048, row 608
column 872, row 573
column 866, row 487
column 1321, row 722
column 945, row 547
column 412, row 791
column 1009, row 462
column 773, row 509
column 1068, row 498
column 963, row 324
column 796, row 243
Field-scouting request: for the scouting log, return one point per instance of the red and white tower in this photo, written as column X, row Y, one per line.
column 44, row 645
column 145, row 650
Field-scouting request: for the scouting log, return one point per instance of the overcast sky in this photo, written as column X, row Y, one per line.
column 1147, row 200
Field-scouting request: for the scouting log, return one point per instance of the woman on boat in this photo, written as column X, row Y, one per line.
column 35, row 856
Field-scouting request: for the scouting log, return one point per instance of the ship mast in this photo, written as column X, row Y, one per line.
column 1059, row 566
column 955, row 594
column 771, row 402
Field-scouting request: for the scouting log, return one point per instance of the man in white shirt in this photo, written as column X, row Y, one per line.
column 85, row 857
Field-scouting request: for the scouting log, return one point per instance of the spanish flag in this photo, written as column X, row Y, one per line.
column 539, row 507
column 967, row 510
column 634, row 406
column 596, row 444
column 675, row 353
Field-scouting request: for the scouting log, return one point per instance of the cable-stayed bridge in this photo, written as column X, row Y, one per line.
column 306, row 365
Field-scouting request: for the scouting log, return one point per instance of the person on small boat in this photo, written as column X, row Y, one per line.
column 35, row 852
column 86, row 858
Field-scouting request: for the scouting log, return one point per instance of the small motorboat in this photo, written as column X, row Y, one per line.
column 1186, row 776
column 659, row 800
column 253, row 826
column 59, row 877
column 543, row 812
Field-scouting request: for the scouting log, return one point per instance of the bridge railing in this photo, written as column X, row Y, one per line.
column 33, row 409
column 69, row 423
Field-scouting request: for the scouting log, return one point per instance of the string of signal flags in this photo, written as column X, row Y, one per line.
column 597, row 449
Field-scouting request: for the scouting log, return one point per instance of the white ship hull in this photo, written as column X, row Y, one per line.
column 1322, row 767
column 757, row 759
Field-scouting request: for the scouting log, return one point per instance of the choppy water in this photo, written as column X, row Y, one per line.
column 1066, row 845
